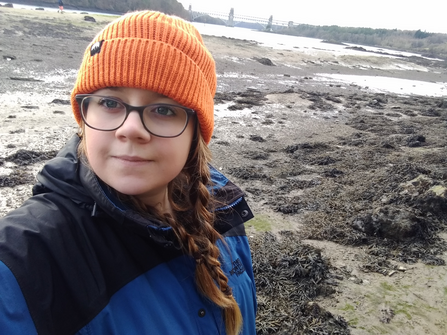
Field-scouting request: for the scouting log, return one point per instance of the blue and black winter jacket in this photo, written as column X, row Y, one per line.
column 72, row 261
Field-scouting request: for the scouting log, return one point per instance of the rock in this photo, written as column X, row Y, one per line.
column 439, row 191
column 416, row 186
column 426, row 195
column 389, row 222
column 256, row 138
column 434, row 201
column 25, row 79
column 386, row 314
column 356, row 48
column 264, row 61
column 60, row 102
column 387, row 145
column 414, row 141
column 355, row 280
column 443, row 104
column 431, row 112
column 414, row 144
column 365, row 223
column 333, row 173
column 89, row 18
column 396, row 223
column 381, row 98
column 237, row 106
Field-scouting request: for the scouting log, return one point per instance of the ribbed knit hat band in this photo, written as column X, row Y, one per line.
column 156, row 52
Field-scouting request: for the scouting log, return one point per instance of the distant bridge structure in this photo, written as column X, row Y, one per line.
column 231, row 19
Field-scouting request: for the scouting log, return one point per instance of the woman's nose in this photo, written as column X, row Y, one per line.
column 133, row 128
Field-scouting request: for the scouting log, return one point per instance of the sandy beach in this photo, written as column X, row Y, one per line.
column 347, row 182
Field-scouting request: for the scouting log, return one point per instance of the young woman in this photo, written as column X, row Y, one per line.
column 129, row 229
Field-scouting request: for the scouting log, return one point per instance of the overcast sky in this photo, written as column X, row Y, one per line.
column 427, row 15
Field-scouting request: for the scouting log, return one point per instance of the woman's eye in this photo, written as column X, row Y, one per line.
column 164, row 110
column 109, row 103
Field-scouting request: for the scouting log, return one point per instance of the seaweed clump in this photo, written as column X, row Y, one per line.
column 289, row 277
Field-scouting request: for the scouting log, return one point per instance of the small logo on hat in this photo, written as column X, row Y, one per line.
column 96, row 48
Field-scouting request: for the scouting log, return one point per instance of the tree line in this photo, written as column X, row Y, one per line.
column 427, row 44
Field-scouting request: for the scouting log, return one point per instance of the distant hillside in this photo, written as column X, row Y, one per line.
column 117, row 6
column 427, row 44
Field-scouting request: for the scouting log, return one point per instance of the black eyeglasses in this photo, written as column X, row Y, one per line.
column 107, row 114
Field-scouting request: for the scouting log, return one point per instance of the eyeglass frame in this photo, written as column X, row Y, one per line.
column 129, row 108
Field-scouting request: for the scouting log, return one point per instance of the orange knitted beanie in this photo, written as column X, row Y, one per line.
column 156, row 52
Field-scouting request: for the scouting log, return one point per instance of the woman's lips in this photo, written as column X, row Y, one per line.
column 132, row 160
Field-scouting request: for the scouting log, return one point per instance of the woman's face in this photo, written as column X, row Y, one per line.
column 130, row 159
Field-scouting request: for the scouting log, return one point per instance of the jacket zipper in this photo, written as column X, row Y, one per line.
column 230, row 205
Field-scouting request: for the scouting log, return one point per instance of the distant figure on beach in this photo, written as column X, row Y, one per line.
column 61, row 7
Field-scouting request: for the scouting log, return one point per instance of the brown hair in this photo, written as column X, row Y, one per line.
column 191, row 200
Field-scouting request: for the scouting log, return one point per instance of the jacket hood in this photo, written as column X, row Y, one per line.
column 61, row 175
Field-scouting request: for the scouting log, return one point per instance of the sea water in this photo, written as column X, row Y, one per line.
column 313, row 46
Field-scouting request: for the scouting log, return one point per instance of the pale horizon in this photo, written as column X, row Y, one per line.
column 388, row 14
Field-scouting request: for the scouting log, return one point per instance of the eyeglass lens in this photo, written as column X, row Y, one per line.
column 103, row 113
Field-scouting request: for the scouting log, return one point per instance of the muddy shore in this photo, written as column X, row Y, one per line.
column 348, row 184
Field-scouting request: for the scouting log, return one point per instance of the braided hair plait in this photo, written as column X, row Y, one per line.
column 198, row 235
